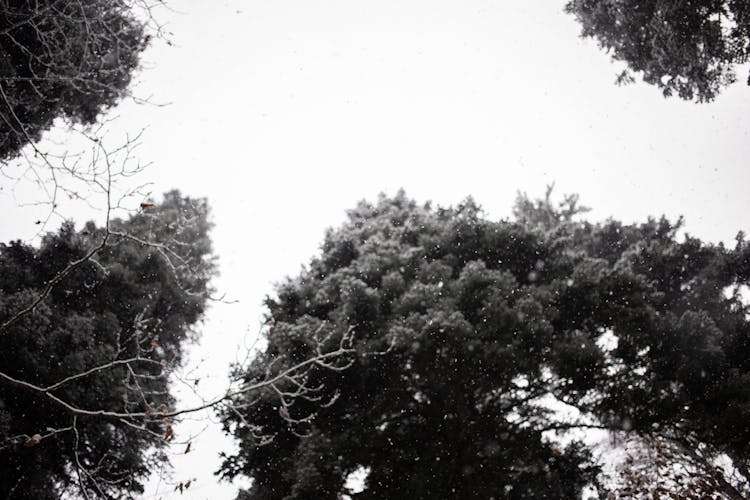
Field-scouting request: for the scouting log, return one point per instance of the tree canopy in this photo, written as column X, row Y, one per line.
column 470, row 334
column 133, row 300
column 61, row 59
column 685, row 48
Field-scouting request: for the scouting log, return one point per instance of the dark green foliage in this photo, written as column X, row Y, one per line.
column 687, row 48
column 62, row 59
column 131, row 302
column 483, row 319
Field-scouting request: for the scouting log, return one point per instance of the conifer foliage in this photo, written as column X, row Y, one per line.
column 685, row 48
column 470, row 334
column 103, row 342
column 62, row 59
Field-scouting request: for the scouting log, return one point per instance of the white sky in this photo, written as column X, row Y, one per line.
column 285, row 113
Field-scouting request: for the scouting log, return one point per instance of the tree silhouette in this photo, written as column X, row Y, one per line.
column 61, row 59
column 486, row 329
column 685, row 48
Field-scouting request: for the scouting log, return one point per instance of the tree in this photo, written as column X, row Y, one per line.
column 485, row 329
column 659, row 468
column 102, row 339
column 687, row 48
column 447, row 411
column 93, row 323
column 61, row 59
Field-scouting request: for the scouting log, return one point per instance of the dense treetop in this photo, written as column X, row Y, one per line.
column 466, row 327
column 62, row 59
column 129, row 301
column 686, row 48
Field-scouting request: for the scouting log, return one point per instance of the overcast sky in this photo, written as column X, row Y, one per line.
column 285, row 113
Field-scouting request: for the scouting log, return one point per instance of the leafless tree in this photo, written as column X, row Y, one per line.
column 63, row 65
column 659, row 467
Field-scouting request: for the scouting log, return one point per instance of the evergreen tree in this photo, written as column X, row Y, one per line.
column 138, row 297
column 466, row 328
column 62, row 59
column 687, row 48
